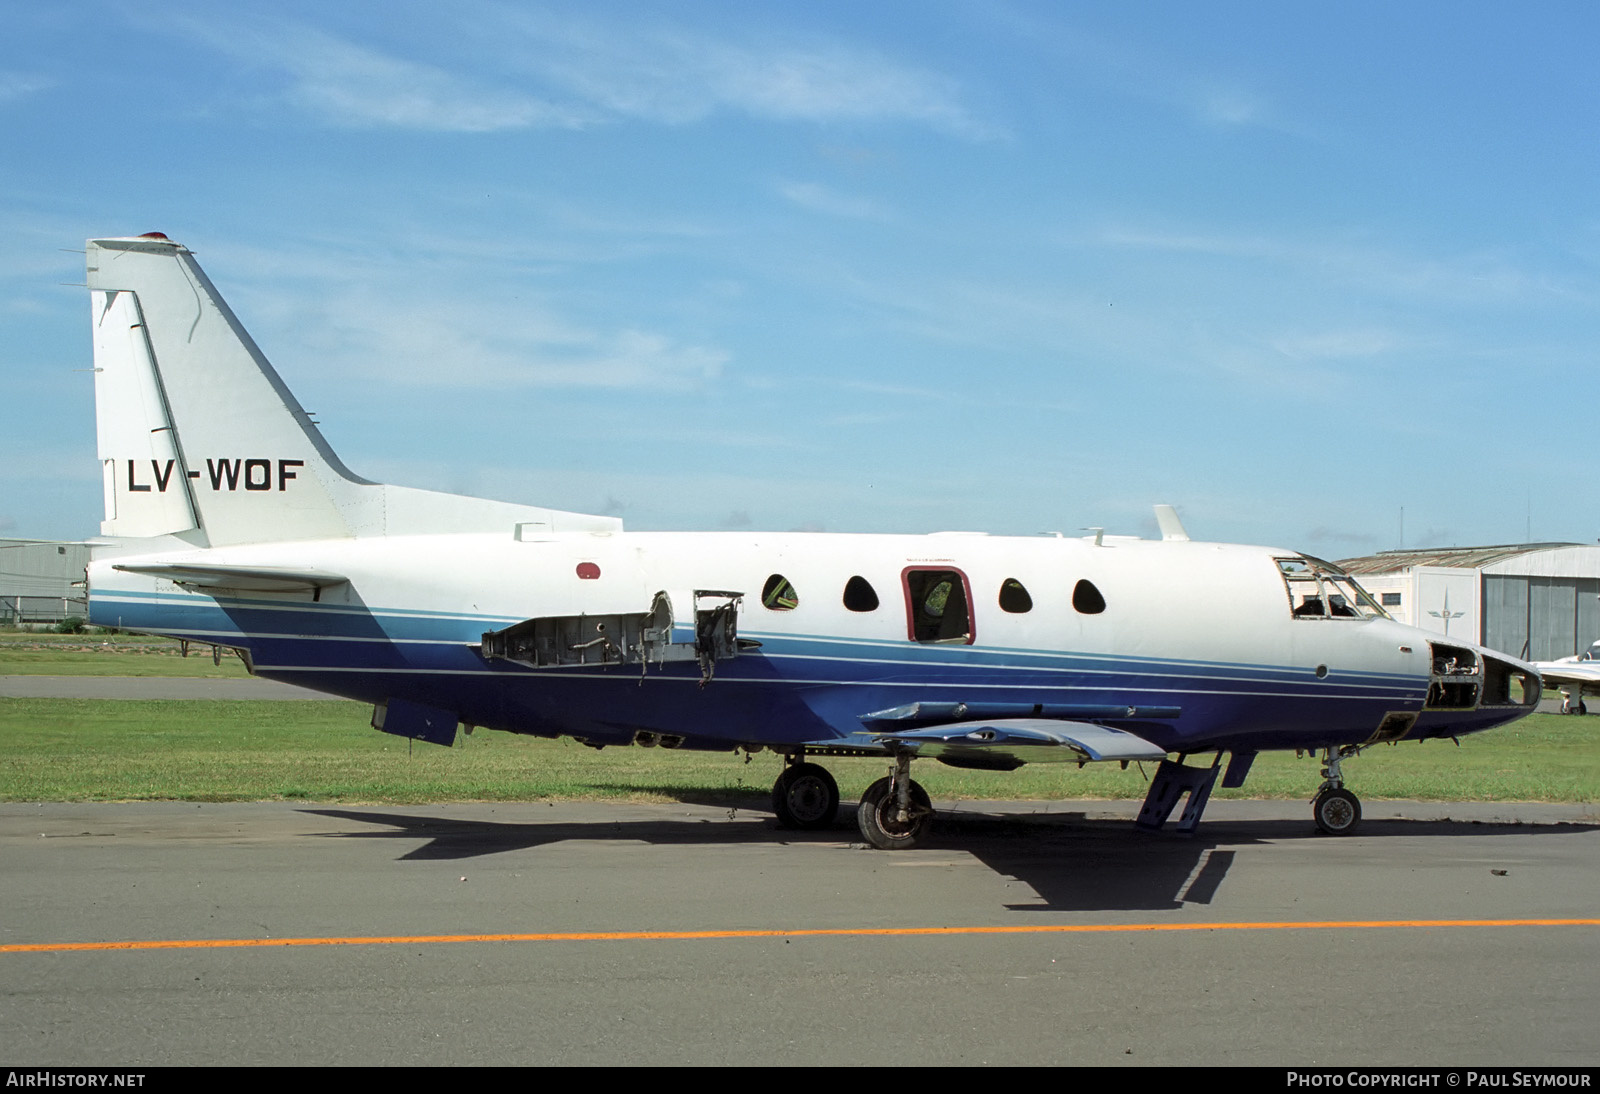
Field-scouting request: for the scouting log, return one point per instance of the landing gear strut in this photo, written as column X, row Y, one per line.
column 895, row 812
column 805, row 796
column 1335, row 809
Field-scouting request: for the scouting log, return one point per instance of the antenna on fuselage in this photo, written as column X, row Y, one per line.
column 1171, row 527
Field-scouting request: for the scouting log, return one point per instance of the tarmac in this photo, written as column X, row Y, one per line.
column 679, row 933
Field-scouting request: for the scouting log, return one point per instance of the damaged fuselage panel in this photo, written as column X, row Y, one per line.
column 626, row 638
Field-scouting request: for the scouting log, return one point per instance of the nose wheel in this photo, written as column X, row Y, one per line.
column 805, row 797
column 1336, row 810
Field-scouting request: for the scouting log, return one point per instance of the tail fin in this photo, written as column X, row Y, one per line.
column 199, row 437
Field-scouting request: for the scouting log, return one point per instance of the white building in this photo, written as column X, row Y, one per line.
column 1537, row 601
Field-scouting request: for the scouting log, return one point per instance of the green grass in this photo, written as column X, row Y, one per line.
column 102, row 750
column 36, row 654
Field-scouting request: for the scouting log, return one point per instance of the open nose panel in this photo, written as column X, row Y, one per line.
column 1468, row 678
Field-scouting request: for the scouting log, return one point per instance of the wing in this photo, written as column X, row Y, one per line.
column 1557, row 673
column 1007, row 735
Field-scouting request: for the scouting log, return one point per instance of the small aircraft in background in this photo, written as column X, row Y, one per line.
column 1575, row 676
column 230, row 521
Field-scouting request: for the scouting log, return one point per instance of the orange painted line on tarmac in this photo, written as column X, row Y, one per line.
column 820, row 932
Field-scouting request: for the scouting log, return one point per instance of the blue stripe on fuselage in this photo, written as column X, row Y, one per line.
column 823, row 683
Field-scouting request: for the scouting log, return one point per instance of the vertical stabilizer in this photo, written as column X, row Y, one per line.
column 199, row 435
column 195, row 427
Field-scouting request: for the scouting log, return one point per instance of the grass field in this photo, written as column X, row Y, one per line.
column 104, row 750
column 100, row 750
column 25, row 653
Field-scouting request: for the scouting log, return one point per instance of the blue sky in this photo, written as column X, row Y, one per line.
column 1009, row 267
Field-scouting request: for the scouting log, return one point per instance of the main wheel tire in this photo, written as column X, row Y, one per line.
column 805, row 797
column 879, row 825
column 1337, row 812
column 1579, row 708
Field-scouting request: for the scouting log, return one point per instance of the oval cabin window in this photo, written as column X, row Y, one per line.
column 778, row 595
column 1014, row 598
column 860, row 596
column 1087, row 599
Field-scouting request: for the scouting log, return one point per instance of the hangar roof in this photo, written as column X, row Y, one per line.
column 1467, row 558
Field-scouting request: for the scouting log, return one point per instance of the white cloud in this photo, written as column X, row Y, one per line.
column 360, row 87
column 399, row 337
column 19, row 85
column 350, row 85
column 392, row 331
column 675, row 75
column 1336, row 344
column 1230, row 107
column 530, row 71
column 821, row 199
column 1469, row 278
column 1137, row 71
column 355, row 315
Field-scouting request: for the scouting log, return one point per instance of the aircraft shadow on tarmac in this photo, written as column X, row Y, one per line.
column 1071, row 862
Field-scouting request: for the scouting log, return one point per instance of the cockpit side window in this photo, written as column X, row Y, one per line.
column 1320, row 590
column 938, row 606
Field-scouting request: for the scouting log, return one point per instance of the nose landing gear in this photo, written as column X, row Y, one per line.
column 1336, row 810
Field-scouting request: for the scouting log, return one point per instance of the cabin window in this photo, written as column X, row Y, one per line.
column 1014, row 598
column 1087, row 599
column 938, row 606
column 778, row 595
column 859, row 595
column 1391, row 600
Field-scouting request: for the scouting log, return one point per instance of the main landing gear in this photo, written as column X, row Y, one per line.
column 805, row 796
column 1335, row 809
column 895, row 812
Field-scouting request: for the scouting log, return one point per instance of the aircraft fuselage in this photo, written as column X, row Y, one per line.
column 1206, row 628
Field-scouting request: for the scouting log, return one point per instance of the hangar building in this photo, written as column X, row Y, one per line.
column 1536, row 601
column 36, row 580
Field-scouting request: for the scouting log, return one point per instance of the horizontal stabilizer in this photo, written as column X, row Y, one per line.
column 1028, row 740
column 253, row 579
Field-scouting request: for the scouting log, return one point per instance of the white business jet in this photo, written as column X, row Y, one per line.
column 230, row 521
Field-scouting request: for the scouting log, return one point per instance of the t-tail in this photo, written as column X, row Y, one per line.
column 200, row 439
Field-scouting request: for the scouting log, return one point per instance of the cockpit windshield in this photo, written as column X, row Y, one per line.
column 1320, row 590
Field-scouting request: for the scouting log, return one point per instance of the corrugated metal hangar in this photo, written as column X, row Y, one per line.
column 36, row 580
column 1537, row 601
